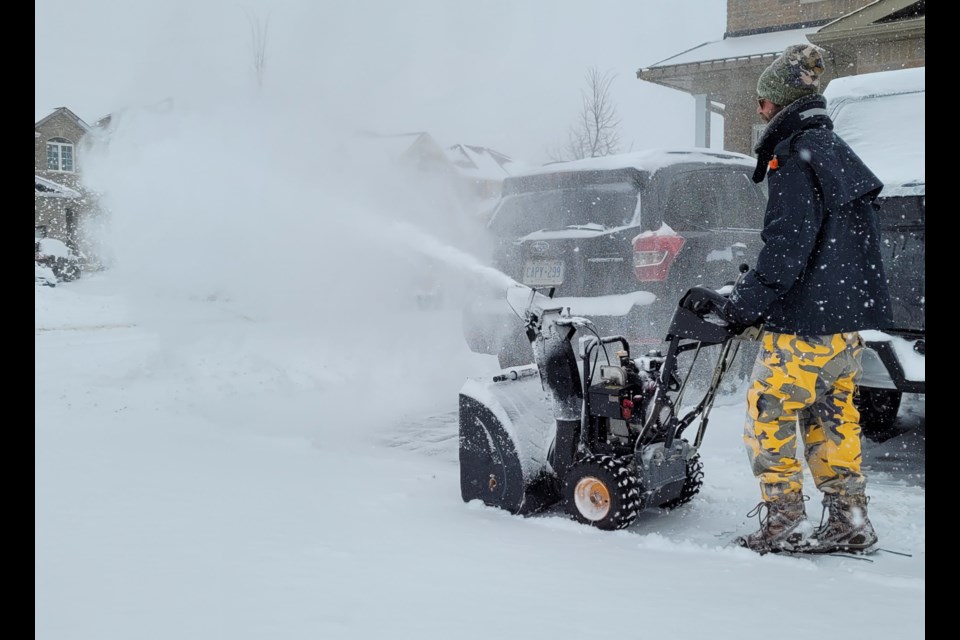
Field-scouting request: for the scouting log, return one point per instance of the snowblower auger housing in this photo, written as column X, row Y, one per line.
column 600, row 434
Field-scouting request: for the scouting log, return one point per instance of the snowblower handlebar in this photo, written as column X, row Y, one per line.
column 702, row 300
column 699, row 316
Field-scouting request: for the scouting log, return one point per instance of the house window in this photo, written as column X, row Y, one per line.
column 59, row 154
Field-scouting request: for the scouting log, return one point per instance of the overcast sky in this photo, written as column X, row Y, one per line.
column 506, row 74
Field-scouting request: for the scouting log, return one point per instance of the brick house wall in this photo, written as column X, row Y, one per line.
column 896, row 54
column 749, row 16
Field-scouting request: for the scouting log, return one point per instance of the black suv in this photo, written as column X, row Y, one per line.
column 618, row 239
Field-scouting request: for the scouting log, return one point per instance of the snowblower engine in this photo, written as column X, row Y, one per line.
column 617, row 403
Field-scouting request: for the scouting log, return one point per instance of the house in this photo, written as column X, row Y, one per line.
column 61, row 203
column 481, row 168
column 472, row 174
column 417, row 151
column 482, row 172
column 859, row 36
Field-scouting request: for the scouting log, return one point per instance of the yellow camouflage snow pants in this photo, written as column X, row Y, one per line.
column 805, row 384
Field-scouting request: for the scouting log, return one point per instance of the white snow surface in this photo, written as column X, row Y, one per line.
column 878, row 83
column 202, row 473
column 645, row 160
column 882, row 116
column 58, row 190
column 614, row 304
column 517, row 300
column 54, row 247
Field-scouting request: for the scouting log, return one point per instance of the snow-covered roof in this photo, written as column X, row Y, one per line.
column 738, row 48
column 479, row 162
column 646, row 160
column 882, row 117
column 43, row 116
column 880, row 82
column 51, row 189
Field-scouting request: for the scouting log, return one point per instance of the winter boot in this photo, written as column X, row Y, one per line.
column 847, row 528
column 783, row 525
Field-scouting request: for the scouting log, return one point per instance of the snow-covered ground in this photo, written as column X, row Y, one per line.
column 203, row 474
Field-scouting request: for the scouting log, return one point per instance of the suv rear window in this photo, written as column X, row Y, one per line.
column 709, row 200
column 608, row 205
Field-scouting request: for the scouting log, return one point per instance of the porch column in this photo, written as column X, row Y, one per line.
column 701, row 117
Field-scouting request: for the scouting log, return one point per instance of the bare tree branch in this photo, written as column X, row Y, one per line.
column 596, row 132
column 258, row 45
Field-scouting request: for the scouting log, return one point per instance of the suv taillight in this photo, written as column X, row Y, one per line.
column 653, row 255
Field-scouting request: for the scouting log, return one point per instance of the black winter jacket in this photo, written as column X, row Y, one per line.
column 820, row 269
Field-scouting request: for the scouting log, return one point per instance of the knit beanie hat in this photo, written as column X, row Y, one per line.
column 794, row 74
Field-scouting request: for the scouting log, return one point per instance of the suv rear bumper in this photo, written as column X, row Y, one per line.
column 893, row 362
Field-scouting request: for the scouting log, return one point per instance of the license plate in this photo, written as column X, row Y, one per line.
column 543, row 273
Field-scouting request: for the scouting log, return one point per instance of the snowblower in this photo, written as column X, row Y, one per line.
column 604, row 436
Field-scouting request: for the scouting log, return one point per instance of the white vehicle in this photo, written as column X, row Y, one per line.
column 881, row 116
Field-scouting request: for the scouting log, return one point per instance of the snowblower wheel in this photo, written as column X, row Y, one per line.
column 602, row 491
column 691, row 485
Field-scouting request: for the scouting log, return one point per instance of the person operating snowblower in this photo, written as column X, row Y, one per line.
column 817, row 283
